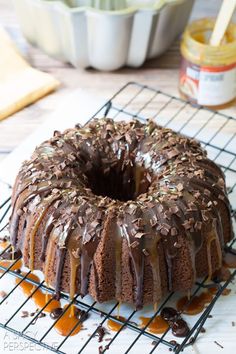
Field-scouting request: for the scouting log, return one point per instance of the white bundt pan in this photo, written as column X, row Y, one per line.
column 106, row 39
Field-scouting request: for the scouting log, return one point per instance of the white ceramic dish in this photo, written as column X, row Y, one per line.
column 106, row 40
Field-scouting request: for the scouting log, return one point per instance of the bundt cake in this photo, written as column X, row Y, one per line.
column 120, row 210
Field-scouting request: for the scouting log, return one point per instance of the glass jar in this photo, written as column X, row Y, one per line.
column 208, row 73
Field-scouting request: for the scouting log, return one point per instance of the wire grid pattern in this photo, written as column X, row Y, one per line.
column 217, row 133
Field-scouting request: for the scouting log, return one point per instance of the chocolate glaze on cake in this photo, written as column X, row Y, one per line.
column 118, row 210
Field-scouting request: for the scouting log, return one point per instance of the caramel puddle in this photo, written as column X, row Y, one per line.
column 40, row 299
column 115, row 326
column 66, row 323
column 157, row 326
column 7, row 262
column 198, row 303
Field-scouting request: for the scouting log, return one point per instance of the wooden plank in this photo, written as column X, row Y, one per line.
column 161, row 73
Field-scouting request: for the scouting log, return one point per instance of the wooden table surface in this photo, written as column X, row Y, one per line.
column 161, row 73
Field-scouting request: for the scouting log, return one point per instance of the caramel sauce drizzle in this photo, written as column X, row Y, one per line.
column 211, row 236
column 74, row 264
column 196, row 306
column 4, row 244
column 7, row 262
column 33, row 232
column 49, row 254
column 115, row 326
column 118, row 250
column 66, row 323
column 157, row 326
column 214, row 290
column 40, row 298
column 68, row 320
column 155, row 306
column 118, row 310
column 12, row 252
column 154, row 261
column 198, row 303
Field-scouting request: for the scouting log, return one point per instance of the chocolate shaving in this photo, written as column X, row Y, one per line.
column 173, row 231
column 187, row 225
column 62, row 165
column 180, row 187
column 174, row 209
column 164, row 231
column 140, row 234
column 81, row 220
column 55, row 190
column 3, row 294
column 149, row 177
column 145, row 252
column 198, row 225
column 76, row 252
column 197, row 194
column 177, row 245
column 94, row 224
column 101, row 331
column 172, row 153
column 128, row 138
column 134, row 244
column 153, row 221
column 207, row 192
column 74, row 209
column 24, row 314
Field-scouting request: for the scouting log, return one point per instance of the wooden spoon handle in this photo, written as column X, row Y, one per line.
column 222, row 21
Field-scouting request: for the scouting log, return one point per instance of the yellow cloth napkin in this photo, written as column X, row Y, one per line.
column 20, row 84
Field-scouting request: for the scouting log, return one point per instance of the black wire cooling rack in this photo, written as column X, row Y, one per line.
column 217, row 133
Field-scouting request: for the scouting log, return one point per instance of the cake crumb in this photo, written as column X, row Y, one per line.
column 3, row 294
column 100, row 332
column 42, row 314
column 24, row 314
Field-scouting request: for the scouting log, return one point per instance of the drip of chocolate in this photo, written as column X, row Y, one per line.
column 180, row 328
column 56, row 313
column 169, row 313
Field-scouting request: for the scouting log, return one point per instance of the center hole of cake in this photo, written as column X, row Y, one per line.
column 119, row 184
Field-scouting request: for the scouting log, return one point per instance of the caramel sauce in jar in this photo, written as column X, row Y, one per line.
column 208, row 73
